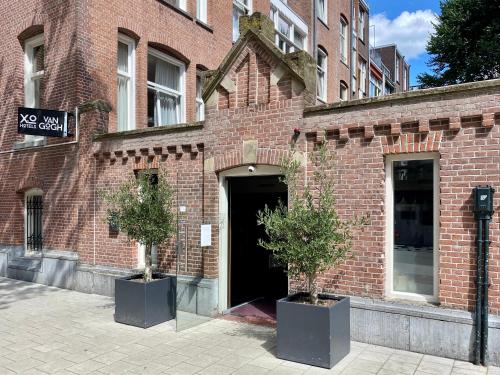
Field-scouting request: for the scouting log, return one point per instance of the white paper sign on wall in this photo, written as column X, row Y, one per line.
column 206, row 235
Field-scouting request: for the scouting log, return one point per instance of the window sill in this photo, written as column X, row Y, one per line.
column 150, row 131
column 177, row 9
column 30, row 144
column 323, row 22
column 205, row 26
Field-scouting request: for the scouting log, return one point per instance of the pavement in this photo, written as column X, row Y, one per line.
column 45, row 330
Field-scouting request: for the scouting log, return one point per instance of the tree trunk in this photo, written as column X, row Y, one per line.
column 313, row 291
column 148, row 273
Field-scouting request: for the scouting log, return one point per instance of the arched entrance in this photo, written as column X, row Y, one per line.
column 247, row 272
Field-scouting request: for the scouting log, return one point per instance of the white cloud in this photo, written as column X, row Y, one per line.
column 410, row 31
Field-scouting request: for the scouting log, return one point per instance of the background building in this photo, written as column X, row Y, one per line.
column 389, row 72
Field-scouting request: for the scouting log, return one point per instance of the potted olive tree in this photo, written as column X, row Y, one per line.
column 310, row 237
column 142, row 209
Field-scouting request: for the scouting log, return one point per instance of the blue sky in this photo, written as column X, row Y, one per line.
column 406, row 23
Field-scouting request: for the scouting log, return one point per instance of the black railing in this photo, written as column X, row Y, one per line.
column 34, row 210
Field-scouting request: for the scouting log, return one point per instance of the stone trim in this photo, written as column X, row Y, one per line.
column 386, row 99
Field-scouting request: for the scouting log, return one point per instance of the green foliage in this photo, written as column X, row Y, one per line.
column 142, row 209
column 308, row 235
column 466, row 44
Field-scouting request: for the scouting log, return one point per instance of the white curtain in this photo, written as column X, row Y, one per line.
column 122, row 107
column 166, row 75
column 321, row 9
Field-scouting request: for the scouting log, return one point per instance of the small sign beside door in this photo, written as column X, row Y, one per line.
column 43, row 122
column 206, row 235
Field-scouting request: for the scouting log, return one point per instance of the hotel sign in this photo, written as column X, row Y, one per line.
column 43, row 122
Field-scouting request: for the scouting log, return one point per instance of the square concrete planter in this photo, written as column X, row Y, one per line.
column 311, row 334
column 145, row 304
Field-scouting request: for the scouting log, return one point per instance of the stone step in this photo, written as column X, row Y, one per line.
column 26, row 263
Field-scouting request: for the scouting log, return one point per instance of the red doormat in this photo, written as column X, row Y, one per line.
column 261, row 312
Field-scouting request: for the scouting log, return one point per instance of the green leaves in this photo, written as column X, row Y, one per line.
column 466, row 44
column 308, row 235
column 142, row 208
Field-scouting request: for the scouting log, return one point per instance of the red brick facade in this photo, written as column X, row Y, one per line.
column 253, row 102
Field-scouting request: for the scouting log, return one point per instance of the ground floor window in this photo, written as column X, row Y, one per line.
column 33, row 221
column 412, row 226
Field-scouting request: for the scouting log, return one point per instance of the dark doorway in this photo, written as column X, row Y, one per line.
column 253, row 272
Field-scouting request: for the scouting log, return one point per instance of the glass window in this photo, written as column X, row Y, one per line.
column 397, row 68
column 361, row 24
column 322, row 10
column 200, row 106
column 126, row 84
column 289, row 37
column 343, row 91
column 34, row 71
column 240, row 8
column 375, row 86
column 362, row 78
column 343, row 41
column 165, row 89
column 178, row 3
column 413, row 197
column 201, row 10
column 33, row 225
column 321, row 75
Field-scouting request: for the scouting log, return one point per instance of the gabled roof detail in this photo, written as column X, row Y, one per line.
column 260, row 29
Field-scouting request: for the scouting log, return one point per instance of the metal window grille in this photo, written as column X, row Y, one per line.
column 34, row 211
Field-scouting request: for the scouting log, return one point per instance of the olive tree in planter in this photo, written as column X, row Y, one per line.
column 142, row 209
column 310, row 237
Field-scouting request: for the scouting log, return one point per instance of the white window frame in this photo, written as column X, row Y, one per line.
column 280, row 10
column 361, row 23
column 202, row 11
column 343, row 88
column 200, row 116
column 322, row 69
column 29, row 193
column 405, row 78
column 362, row 78
column 130, row 81
column 344, row 43
column 389, row 225
column 325, row 10
column 182, row 85
column 396, row 69
column 30, row 78
column 245, row 7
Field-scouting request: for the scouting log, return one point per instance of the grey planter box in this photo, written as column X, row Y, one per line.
column 145, row 304
column 314, row 335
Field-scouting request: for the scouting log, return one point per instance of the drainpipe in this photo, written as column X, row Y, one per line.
column 479, row 285
column 486, row 285
column 483, row 209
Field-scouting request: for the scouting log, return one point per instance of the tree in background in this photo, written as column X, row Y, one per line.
column 466, row 44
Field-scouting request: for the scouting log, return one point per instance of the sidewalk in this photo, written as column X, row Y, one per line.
column 46, row 330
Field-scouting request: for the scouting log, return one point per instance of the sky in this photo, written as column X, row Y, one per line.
column 408, row 23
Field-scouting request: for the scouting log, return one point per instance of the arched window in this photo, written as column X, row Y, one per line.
column 33, row 223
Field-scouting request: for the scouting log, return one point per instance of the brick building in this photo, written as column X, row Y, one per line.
column 389, row 71
column 408, row 160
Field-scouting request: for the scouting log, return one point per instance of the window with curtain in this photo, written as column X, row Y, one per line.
column 321, row 75
column 200, row 106
column 240, row 8
column 398, row 61
column 33, row 71
column 343, row 41
column 34, row 60
column 361, row 24
column 322, row 10
column 201, row 10
column 165, row 89
column 362, row 78
column 125, row 91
